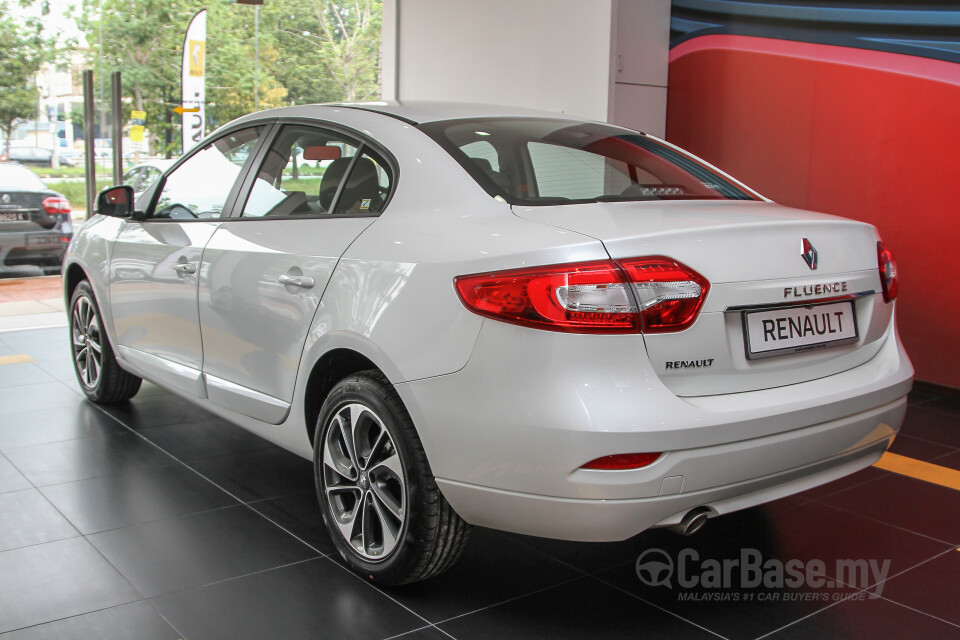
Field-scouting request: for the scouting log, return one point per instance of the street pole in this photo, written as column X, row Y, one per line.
column 256, row 58
column 55, row 121
column 116, row 126
column 89, row 159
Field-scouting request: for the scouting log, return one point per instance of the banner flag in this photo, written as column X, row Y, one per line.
column 193, row 81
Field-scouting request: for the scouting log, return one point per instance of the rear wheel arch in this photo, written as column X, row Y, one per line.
column 331, row 368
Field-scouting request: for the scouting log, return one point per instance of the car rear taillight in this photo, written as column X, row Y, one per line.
column 888, row 272
column 668, row 293
column 56, row 204
column 587, row 297
column 651, row 294
column 622, row 461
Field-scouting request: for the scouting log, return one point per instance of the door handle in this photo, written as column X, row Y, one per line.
column 301, row 282
column 183, row 268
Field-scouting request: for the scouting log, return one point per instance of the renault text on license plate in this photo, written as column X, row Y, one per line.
column 796, row 329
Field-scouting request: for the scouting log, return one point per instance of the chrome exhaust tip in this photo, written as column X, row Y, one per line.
column 692, row 522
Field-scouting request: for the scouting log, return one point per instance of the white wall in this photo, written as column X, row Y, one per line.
column 601, row 59
column 640, row 56
column 540, row 54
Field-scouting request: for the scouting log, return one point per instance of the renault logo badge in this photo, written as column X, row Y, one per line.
column 809, row 254
column 6, row 198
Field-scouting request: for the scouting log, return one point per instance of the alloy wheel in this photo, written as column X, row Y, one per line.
column 364, row 482
column 86, row 339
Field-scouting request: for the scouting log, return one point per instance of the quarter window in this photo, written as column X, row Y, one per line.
column 199, row 187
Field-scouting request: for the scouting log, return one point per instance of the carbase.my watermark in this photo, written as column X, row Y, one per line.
column 657, row 568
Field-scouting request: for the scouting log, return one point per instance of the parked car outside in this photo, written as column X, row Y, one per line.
column 478, row 316
column 141, row 176
column 35, row 225
column 30, row 155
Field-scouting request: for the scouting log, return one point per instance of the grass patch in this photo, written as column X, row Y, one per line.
column 75, row 191
column 63, row 172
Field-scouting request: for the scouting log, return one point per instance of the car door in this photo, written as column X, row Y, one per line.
column 155, row 264
column 264, row 270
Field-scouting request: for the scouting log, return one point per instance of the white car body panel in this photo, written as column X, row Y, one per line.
column 252, row 326
column 507, row 414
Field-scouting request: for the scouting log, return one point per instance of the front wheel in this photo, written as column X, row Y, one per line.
column 98, row 373
column 378, row 496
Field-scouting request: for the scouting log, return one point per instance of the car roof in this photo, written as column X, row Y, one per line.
column 410, row 111
column 421, row 111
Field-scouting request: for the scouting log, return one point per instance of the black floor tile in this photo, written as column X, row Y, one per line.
column 584, row 608
column 936, row 426
column 590, row 557
column 930, row 588
column 717, row 583
column 191, row 551
column 15, row 375
column 918, row 449
column 158, row 410
column 870, row 474
column 100, row 455
column 198, row 440
column 300, row 515
column 493, row 569
column 917, row 396
column 817, row 532
column 31, row 397
column 48, row 345
column 919, row 506
column 268, row 473
column 945, row 404
column 862, row 617
column 309, row 600
column 134, row 497
column 57, row 580
column 135, row 621
column 27, row 519
column 53, row 425
column 950, row 461
column 10, row 478
column 427, row 633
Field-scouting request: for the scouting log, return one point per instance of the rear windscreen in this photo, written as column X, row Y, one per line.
column 533, row 161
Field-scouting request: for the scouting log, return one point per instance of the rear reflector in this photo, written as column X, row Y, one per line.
column 888, row 272
column 623, row 461
column 655, row 294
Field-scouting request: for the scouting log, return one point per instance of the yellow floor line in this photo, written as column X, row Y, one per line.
column 943, row 476
column 19, row 358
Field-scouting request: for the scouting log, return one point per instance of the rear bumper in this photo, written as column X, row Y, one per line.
column 506, row 436
column 41, row 248
column 610, row 520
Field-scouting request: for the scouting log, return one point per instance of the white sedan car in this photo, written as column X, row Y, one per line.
column 468, row 315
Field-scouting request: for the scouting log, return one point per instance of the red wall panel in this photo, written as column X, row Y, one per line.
column 870, row 135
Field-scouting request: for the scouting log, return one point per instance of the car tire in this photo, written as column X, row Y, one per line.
column 98, row 373
column 379, row 499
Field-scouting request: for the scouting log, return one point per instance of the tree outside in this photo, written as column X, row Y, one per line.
column 298, row 52
column 22, row 50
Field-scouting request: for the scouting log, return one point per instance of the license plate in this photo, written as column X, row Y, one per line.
column 799, row 329
column 43, row 242
column 8, row 216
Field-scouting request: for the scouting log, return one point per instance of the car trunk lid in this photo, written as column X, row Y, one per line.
column 752, row 255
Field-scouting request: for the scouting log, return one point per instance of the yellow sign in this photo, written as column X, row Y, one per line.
column 138, row 115
column 136, row 133
column 197, row 53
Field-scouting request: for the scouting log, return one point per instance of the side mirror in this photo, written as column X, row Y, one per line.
column 116, row 202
